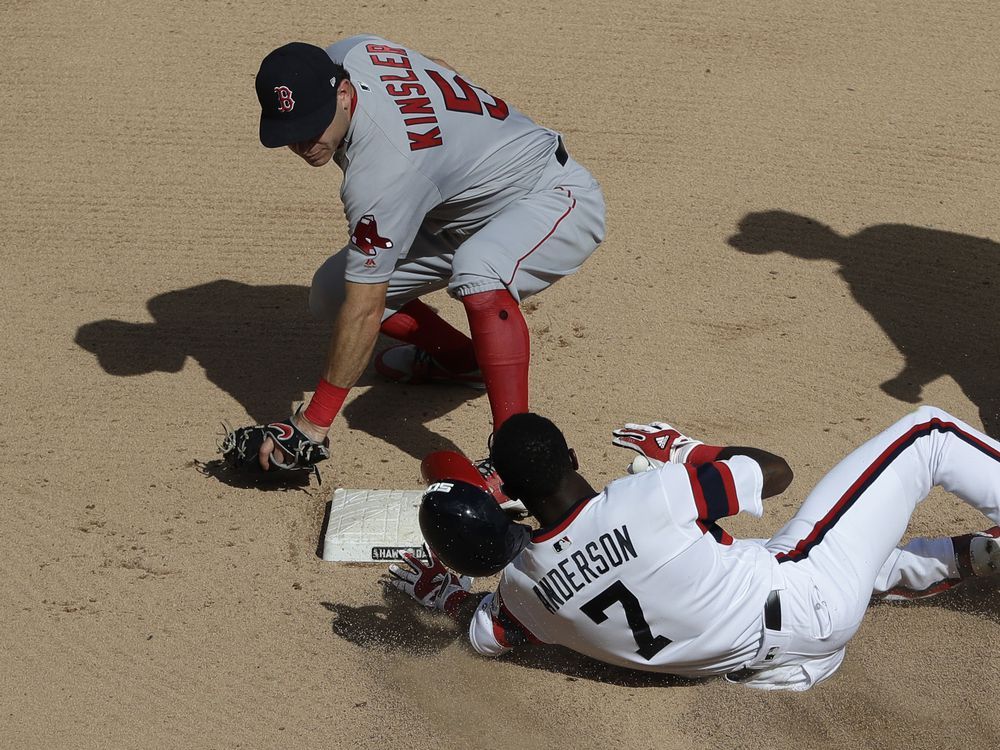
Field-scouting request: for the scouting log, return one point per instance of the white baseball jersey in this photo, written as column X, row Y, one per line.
column 642, row 576
column 425, row 149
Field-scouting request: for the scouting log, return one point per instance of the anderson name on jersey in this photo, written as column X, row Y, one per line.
column 642, row 576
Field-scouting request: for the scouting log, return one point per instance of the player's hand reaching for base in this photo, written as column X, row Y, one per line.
column 286, row 446
column 271, row 451
column 657, row 441
column 429, row 583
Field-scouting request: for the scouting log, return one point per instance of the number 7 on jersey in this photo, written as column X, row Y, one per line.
column 618, row 593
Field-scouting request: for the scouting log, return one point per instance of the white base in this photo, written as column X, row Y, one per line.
column 373, row 525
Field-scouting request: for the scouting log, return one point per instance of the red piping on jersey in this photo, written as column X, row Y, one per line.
column 354, row 99
column 724, row 536
column 707, row 517
column 699, row 498
column 933, row 589
column 551, row 232
column 543, row 535
column 873, row 472
column 730, row 485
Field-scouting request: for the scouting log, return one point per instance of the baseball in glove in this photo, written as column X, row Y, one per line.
column 240, row 448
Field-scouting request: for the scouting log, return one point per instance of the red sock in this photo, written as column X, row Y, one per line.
column 503, row 350
column 415, row 323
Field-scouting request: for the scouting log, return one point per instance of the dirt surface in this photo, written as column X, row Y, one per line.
column 802, row 243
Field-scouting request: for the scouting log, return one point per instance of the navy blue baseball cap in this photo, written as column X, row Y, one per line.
column 297, row 90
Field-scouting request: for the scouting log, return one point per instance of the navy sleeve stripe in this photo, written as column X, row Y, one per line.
column 718, row 490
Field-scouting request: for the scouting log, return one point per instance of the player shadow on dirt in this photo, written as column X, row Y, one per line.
column 400, row 625
column 936, row 295
column 391, row 629
column 260, row 345
column 980, row 598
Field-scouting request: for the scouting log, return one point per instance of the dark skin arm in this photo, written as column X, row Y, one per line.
column 777, row 472
column 777, row 476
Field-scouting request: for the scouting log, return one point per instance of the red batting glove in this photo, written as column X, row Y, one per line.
column 431, row 584
column 657, row 441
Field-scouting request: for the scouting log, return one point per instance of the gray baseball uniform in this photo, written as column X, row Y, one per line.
column 446, row 184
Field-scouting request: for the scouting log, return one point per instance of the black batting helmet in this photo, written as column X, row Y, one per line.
column 465, row 527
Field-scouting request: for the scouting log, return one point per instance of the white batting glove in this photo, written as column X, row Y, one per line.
column 430, row 584
column 657, row 442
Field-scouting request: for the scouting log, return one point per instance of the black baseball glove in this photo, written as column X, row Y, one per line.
column 240, row 448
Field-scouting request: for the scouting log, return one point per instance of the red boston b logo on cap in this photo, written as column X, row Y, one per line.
column 285, row 101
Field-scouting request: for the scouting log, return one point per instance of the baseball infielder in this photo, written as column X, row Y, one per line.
column 642, row 576
column 445, row 186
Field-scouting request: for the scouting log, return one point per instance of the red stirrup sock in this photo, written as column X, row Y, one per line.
column 503, row 350
column 415, row 323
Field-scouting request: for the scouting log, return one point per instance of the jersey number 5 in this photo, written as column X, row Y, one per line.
column 618, row 593
column 467, row 98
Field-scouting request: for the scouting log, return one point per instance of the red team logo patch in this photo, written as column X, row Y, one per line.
column 366, row 238
column 285, row 101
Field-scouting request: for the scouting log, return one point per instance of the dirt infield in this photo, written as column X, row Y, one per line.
column 802, row 244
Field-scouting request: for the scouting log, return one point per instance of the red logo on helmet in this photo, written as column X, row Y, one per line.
column 285, row 101
column 366, row 237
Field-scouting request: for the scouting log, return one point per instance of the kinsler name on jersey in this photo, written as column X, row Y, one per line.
column 402, row 87
column 410, row 95
column 596, row 558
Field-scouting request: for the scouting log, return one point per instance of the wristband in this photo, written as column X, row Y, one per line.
column 325, row 403
column 703, row 454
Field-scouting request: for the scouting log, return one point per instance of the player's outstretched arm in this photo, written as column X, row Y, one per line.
column 299, row 442
column 658, row 443
column 493, row 630
column 429, row 583
column 777, row 473
column 355, row 331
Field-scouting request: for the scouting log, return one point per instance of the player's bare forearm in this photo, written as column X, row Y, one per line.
column 777, row 473
column 355, row 331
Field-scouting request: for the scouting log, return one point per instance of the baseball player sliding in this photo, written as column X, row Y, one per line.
column 445, row 186
column 641, row 574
